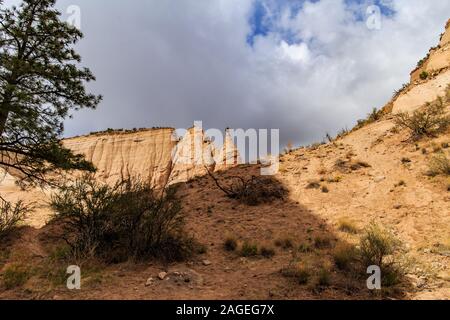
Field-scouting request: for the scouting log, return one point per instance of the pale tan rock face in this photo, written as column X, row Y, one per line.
column 446, row 36
column 423, row 91
column 155, row 155
column 145, row 153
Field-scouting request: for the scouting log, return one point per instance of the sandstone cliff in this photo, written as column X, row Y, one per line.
column 429, row 80
column 156, row 155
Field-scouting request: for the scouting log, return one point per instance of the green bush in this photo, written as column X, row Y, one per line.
column 379, row 247
column 298, row 272
column 304, row 248
column 284, row 243
column 439, row 165
column 345, row 255
column 11, row 215
column 375, row 115
column 252, row 191
column 128, row 220
column 376, row 244
column 267, row 252
column 427, row 121
column 323, row 242
column 323, row 277
column 14, row 276
column 348, row 226
column 423, row 75
column 249, row 250
column 230, row 244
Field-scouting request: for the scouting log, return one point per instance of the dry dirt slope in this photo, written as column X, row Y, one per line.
column 391, row 188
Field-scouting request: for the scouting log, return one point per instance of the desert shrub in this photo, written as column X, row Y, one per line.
column 392, row 275
column 399, row 91
column 335, row 179
column 230, row 244
column 252, row 191
column 348, row 226
column 344, row 255
column 423, row 75
column 249, row 249
column 298, row 272
column 11, row 215
column 128, row 220
column 421, row 62
column 323, row 242
column 439, row 164
column 406, row 160
column 313, row 185
column 267, row 252
column 376, row 244
column 284, row 243
column 325, row 189
column 14, row 276
column 375, row 115
column 379, row 247
column 342, row 133
column 304, row 248
column 323, row 277
column 427, row 121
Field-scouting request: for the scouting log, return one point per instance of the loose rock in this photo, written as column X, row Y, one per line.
column 162, row 275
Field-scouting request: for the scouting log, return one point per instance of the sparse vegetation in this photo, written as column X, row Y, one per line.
column 345, row 255
column 249, row 250
column 252, row 191
column 376, row 245
column 358, row 164
column 284, row 243
column 348, row 165
column 267, row 252
column 314, row 184
column 298, row 272
column 427, row 121
column 379, row 247
column 342, row 133
column 323, row 277
column 424, row 75
column 401, row 183
column 11, row 215
column 304, row 248
column 230, row 244
column 127, row 220
column 406, row 160
column 348, row 226
column 439, row 165
column 422, row 61
column 374, row 116
column 323, row 242
column 399, row 91
column 335, row 179
column 14, row 276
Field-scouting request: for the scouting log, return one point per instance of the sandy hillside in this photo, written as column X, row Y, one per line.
column 374, row 173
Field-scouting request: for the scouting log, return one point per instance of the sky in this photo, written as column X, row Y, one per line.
column 305, row 67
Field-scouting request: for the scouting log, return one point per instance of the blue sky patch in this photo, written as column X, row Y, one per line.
column 265, row 13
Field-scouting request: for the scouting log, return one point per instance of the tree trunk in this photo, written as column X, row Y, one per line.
column 3, row 118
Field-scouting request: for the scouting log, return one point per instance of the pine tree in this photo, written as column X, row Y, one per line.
column 41, row 82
